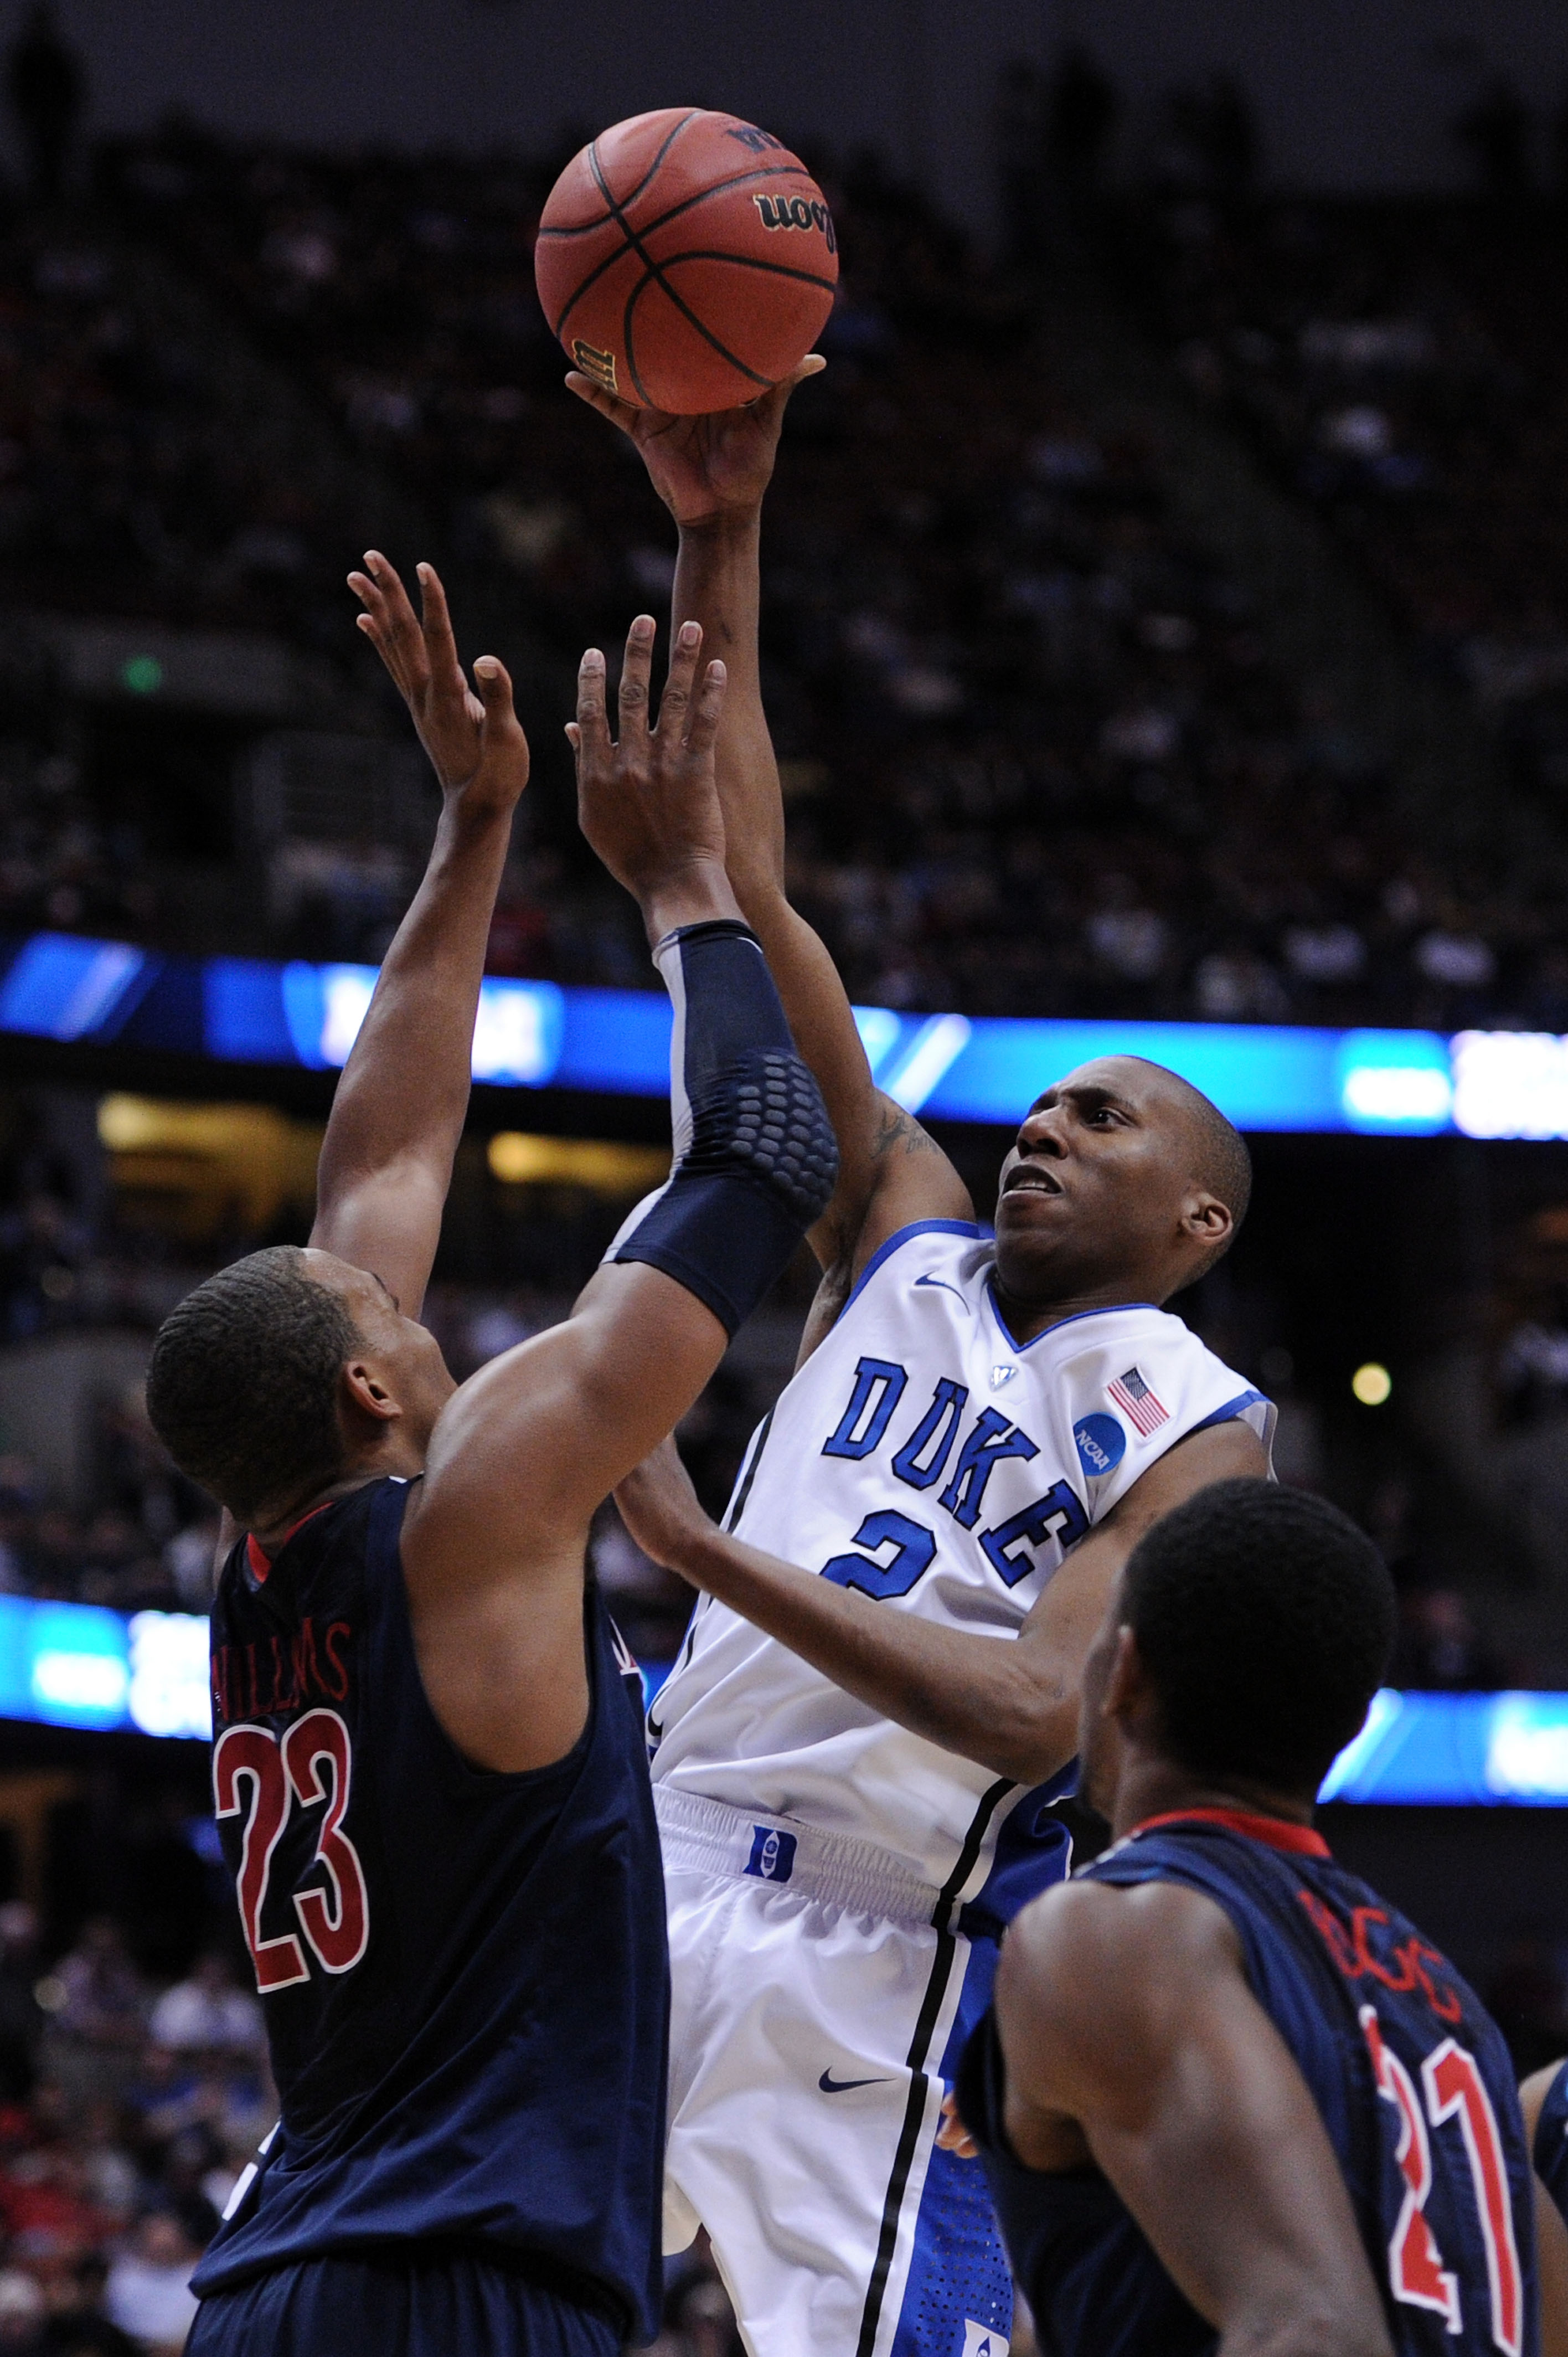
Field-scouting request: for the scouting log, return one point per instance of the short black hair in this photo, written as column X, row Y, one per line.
column 1264, row 1618
column 243, row 1384
column 1222, row 1162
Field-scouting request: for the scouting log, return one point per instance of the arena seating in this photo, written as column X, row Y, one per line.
column 1401, row 367
column 1037, row 761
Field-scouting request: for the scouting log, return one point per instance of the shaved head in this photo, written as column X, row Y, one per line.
column 1220, row 1162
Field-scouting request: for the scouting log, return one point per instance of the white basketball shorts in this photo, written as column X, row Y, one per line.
column 821, row 2002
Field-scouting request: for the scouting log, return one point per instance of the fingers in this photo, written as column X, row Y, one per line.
column 953, row 2135
column 494, row 684
column 390, row 623
column 619, row 413
column 440, row 647
column 399, row 617
column 637, row 672
column 589, row 733
column 772, row 403
column 704, row 722
column 675, row 704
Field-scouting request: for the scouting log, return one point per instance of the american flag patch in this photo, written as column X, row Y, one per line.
column 1135, row 1400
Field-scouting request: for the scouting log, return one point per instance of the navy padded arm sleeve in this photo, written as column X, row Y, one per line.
column 756, row 1161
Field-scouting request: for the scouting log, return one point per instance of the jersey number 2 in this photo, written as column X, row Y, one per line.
column 1454, row 2089
column 336, row 1919
column 914, row 1550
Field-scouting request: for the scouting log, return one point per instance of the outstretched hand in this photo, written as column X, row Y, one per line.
column 704, row 469
column 660, row 1508
column 649, row 802
column 475, row 740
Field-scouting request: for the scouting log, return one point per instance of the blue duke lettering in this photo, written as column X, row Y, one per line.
column 899, row 1551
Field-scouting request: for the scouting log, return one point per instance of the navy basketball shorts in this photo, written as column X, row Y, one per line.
column 400, row 2303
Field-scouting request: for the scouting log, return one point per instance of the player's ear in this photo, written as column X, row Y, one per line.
column 363, row 1394
column 1206, row 1219
column 1129, row 1697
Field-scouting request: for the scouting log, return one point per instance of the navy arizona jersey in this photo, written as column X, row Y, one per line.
column 1411, row 2075
column 464, row 1974
column 1552, row 2140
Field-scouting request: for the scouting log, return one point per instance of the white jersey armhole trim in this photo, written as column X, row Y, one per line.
column 969, row 1228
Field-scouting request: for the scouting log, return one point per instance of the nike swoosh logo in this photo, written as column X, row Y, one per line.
column 944, row 1286
column 831, row 2086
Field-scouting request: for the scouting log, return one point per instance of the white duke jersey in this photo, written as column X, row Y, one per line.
column 923, row 1457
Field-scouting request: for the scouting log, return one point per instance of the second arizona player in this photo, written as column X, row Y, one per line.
column 1230, row 2098
column 429, row 1770
column 853, row 1774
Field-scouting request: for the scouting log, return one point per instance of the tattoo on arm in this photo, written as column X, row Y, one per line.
column 894, row 1126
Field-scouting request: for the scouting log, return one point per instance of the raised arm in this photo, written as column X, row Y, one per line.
column 1127, row 2013
column 711, row 473
column 522, row 1454
column 386, row 1161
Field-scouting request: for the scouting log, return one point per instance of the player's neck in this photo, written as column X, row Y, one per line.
column 1027, row 1317
column 270, row 1530
column 1158, row 1788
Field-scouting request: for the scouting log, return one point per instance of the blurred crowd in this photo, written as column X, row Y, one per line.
column 1402, row 367
column 127, row 2113
column 1036, row 758
column 125, row 486
column 67, row 865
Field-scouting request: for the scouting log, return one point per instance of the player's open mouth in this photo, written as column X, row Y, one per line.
column 1028, row 1177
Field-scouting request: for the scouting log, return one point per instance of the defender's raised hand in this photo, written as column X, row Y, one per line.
column 475, row 741
column 704, row 469
column 649, row 802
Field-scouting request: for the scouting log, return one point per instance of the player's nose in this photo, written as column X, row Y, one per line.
column 1043, row 1132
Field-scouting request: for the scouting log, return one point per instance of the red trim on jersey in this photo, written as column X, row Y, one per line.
column 260, row 1562
column 1274, row 1831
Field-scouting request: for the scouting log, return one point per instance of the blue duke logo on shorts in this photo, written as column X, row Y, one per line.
column 772, row 1856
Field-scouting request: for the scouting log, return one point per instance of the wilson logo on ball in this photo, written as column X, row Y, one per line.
column 600, row 366
column 797, row 212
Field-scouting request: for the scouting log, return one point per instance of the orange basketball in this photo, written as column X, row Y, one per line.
column 686, row 259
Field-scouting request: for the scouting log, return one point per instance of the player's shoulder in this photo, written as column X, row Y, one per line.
column 1123, row 1326
column 1145, row 1366
column 1542, row 2094
column 1103, row 1925
column 1096, row 1959
column 960, row 1253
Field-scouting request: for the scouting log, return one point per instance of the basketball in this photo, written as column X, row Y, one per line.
column 686, row 259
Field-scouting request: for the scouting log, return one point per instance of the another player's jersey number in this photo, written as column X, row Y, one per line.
column 256, row 1776
column 1454, row 2089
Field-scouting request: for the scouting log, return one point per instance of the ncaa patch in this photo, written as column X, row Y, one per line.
column 980, row 2340
column 772, row 1856
column 1101, row 1444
